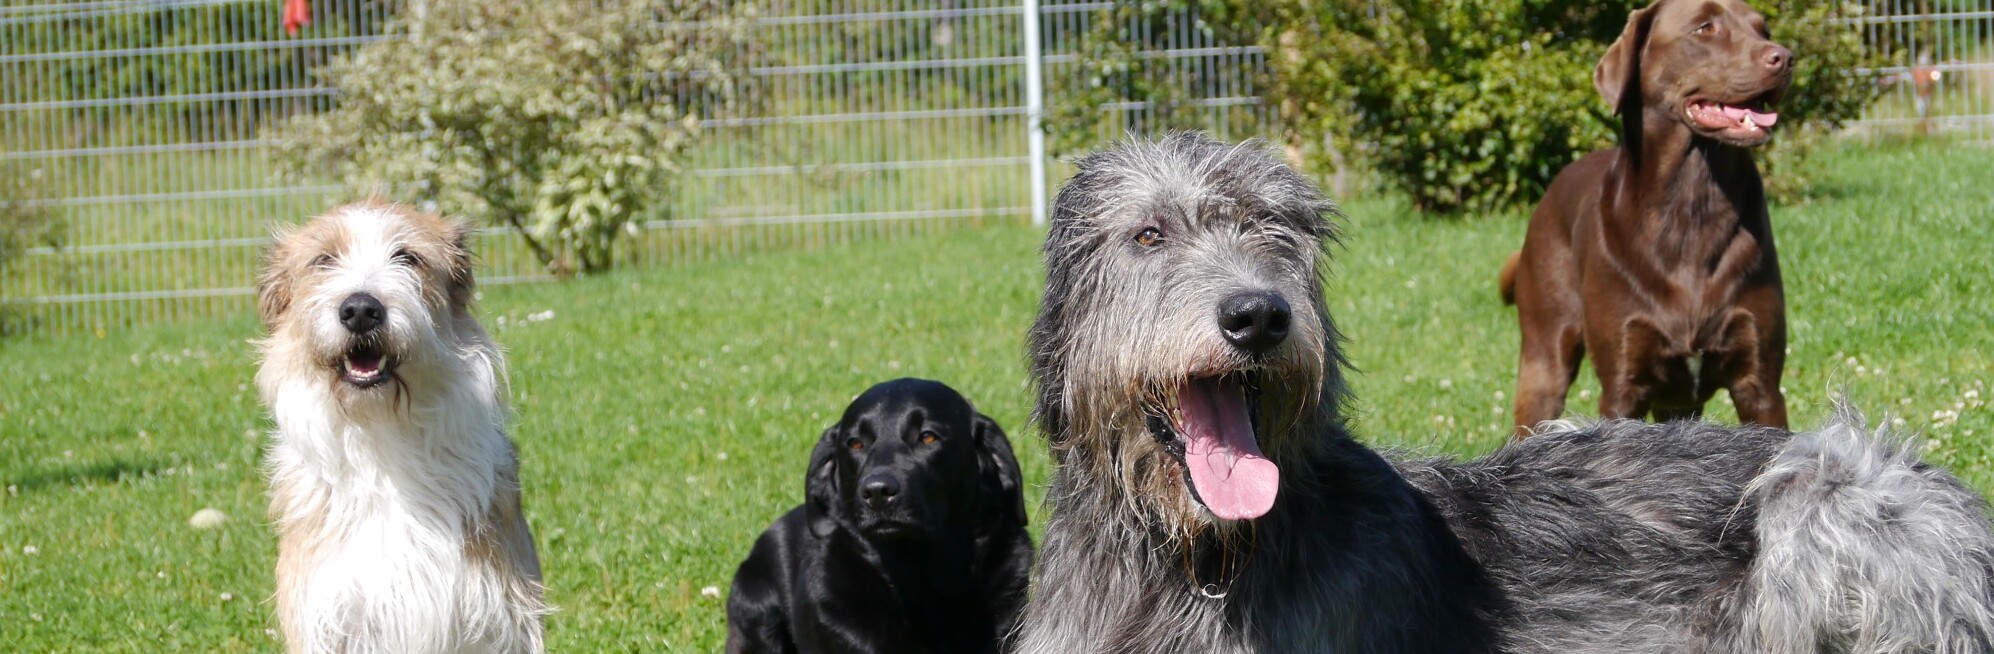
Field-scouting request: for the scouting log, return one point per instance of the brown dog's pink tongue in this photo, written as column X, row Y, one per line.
column 1233, row 478
column 1738, row 114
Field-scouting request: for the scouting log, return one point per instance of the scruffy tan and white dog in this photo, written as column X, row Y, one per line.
column 394, row 487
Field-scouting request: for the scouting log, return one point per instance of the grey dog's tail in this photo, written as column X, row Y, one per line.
column 1864, row 548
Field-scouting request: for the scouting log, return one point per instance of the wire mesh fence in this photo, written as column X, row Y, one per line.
column 1941, row 78
column 137, row 125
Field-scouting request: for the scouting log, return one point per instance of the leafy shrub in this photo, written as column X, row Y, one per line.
column 563, row 120
column 1474, row 105
column 25, row 222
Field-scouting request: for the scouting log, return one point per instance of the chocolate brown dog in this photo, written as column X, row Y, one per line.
column 1657, row 256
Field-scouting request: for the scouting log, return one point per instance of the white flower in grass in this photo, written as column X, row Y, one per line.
column 30, row 550
column 207, row 518
column 710, row 592
column 1446, row 383
column 228, row 596
column 1585, row 394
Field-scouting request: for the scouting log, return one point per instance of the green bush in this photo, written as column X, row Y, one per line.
column 25, row 222
column 563, row 120
column 1474, row 105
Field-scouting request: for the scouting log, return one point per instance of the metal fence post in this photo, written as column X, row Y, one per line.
column 1035, row 109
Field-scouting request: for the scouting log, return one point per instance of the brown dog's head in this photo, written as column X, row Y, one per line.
column 1708, row 64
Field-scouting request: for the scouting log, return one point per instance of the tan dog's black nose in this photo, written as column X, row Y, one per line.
column 361, row 313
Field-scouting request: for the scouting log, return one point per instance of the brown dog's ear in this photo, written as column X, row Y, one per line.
column 999, row 465
column 1618, row 76
column 820, row 488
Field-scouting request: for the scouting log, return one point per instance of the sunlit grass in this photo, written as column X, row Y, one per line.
column 664, row 416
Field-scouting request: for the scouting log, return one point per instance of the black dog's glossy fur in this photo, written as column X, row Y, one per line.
column 912, row 538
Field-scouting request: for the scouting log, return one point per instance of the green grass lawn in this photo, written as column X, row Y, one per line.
column 664, row 416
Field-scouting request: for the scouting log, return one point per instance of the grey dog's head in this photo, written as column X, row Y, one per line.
column 1181, row 349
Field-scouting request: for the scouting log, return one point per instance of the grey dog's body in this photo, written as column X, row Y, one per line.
column 1612, row 537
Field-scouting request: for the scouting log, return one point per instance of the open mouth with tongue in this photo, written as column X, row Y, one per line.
column 1211, row 432
column 366, row 366
column 1745, row 123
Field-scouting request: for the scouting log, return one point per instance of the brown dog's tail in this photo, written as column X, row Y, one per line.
column 1508, row 280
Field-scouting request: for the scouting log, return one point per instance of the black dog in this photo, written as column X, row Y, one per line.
column 912, row 538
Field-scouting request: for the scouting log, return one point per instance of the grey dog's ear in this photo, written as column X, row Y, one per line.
column 820, row 488
column 1618, row 76
column 997, row 463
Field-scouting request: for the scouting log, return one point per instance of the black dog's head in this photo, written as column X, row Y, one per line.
column 912, row 459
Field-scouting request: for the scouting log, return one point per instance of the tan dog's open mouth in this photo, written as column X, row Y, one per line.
column 366, row 366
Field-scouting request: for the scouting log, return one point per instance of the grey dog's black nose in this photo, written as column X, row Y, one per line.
column 879, row 491
column 361, row 313
column 1254, row 321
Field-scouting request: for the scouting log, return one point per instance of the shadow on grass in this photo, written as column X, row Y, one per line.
column 84, row 474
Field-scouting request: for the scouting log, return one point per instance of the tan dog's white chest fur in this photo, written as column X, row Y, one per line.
column 393, row 485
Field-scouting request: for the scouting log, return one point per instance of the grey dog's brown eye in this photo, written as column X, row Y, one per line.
column 1149, row 237
column 928, row 437
column 855, row 443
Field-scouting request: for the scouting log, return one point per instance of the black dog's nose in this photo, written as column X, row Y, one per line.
column 1777, row 58
column 361, row 313
column 1255, row 321
column 879, row 491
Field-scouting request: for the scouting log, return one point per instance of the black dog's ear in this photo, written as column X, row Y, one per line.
column 820, row 489
column 1618, row 76
column 995, row 460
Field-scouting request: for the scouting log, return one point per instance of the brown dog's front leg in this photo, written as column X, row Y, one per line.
column 1752, row 369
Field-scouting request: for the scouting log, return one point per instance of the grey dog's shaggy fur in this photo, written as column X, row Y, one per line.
column 1609, row 537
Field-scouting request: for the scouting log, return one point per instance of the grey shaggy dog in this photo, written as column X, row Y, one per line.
column 1209, row 498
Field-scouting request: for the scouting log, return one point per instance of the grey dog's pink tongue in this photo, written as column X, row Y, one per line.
column 1235, row 481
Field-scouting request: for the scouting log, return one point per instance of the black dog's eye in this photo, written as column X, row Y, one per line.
column 1149, row 237
column 928, row 436
column 322, row 261
column 855, row 443
column 407, row 258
